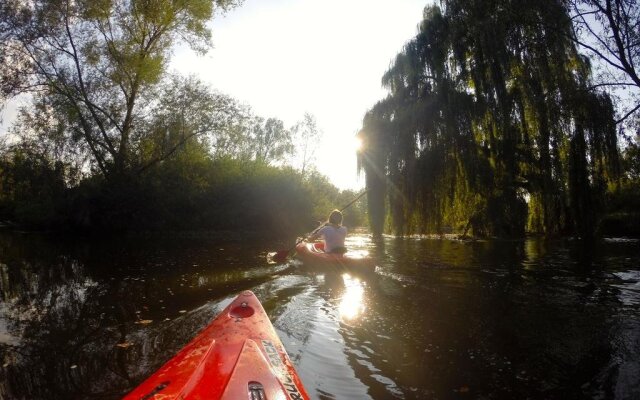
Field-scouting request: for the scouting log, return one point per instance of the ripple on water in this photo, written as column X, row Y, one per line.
column 629, row 293
column 307, row 327
column 621, row 240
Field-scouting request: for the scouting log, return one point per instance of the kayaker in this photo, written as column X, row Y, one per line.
column 333, row 234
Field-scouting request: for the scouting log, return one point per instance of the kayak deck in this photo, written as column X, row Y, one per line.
column 237, row 356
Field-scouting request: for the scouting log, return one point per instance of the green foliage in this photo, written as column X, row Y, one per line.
column 192, row 191
column 631, row 162
column 188, row 191
column 202, row 161
column 270, row 140
column 98, row 65
column 306, row 136
column 32, row 189
column 488, row 110
column 623, row 200
column 326, row 197
column 184, row 111
column 622, row 210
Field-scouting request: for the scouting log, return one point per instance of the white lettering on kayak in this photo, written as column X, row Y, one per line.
column 283, row 374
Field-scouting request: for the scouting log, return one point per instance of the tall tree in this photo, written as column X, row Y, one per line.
column 490, row 124
column 243, row 135
column 180, row 110
column 270, row 141
column 94, row 61
column 306, row 135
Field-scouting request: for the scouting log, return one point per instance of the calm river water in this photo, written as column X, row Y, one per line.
column 439, row 319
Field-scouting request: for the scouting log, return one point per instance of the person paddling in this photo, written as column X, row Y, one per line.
column 333, row 234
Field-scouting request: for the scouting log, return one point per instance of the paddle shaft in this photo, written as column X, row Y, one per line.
column 354, row 200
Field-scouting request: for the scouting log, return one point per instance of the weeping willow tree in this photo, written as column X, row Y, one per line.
column 489, row 125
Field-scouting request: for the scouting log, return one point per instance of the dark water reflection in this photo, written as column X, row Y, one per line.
column 438, row 319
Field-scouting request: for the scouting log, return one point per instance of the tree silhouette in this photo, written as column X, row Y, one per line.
column 490, row 123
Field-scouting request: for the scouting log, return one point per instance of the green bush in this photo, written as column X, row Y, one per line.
column 190, row 191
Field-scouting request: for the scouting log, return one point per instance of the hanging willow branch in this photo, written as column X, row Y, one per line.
column 481, row 124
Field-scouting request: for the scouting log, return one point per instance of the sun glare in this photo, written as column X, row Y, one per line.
column 352, row 303
column 356, row 143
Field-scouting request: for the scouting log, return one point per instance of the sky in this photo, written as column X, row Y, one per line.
column 285, row 58
column 325, row 57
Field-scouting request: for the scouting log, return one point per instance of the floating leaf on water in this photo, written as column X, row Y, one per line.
column 124, row 345
column 144, row 321
column 183, row 311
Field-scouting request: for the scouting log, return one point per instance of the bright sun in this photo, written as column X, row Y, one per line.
column 356, row 144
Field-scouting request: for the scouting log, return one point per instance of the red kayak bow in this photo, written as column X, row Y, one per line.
column 237, row 356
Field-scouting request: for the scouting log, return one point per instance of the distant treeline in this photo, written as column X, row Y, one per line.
column 495, row 126
column 189, row 191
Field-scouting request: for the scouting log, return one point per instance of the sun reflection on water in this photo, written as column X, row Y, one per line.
column 352, row 302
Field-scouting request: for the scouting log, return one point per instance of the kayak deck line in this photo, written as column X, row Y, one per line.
column 237, row 356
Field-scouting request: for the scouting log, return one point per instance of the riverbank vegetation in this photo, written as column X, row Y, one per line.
column 495, row 125
column 190, row 191
column 112, row 140
column 503, row 118
column 231, row 177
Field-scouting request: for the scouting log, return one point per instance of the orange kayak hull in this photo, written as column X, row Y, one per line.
column 313, row 254
column 237, row 356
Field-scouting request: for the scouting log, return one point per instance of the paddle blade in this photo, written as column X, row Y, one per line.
column 279, row 256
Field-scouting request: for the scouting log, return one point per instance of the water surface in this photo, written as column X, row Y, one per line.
column 85, row 319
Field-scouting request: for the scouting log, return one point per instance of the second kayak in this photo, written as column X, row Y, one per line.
column 237, row 356
column 313, row 254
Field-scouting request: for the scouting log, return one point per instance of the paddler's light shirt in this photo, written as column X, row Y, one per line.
column 333, row 237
